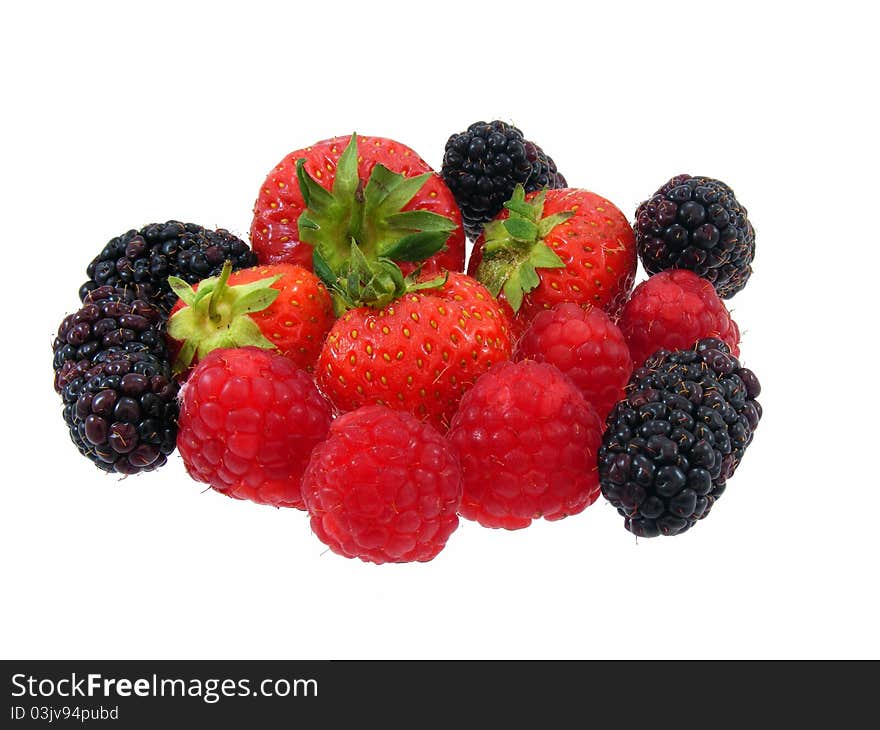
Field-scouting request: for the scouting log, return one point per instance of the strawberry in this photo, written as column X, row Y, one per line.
column 317, row 196
column 556, row 246
column 407, row 337
column 280, row 307
column 419, row 352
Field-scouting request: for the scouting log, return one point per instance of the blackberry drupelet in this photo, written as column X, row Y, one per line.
column 672, row 444
column 697, row 223
column 122, row 411
column 483, row 165
column 72, row 369
column 109, row 318
column 143, row 260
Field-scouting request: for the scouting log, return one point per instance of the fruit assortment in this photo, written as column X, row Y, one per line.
column 345, row 364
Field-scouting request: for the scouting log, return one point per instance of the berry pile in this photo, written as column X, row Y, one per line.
column 348, row 367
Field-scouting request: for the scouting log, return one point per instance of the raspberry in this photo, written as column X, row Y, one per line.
column 672, row 310
column 586, row 346
column 249, row 420
column 384, row 487
column 527, row 441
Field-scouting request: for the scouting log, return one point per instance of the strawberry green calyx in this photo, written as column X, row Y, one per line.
column 216, row 315
column 370, row 215
column 514, row 248
column 373, row 283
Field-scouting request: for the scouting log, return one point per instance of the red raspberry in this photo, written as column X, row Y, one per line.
column 384, row 487
column 586, row 346
column 673, row 310
column 249, row 420
column 527, row 441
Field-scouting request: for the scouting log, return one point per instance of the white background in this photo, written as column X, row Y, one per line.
column 119, row 114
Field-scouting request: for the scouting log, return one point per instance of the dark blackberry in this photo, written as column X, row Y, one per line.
column 143, row 260
column 122, row 411
column 483, row 165
column 672, row 444
column 109, row 318
column 72, row 369
column 697, row 223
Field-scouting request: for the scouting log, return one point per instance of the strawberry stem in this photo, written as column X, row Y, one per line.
column 217, row 315
column 218, row 292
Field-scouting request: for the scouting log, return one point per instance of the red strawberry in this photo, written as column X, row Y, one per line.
column 672, row 310
column 419, row 352
column 556, row 246
column 249, row 420
column 384, row 487
column 279, row 230
column 528, row 442
column 281, row 307
column 586, row 346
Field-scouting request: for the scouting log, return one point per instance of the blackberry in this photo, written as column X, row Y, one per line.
column 483, row 165
column 122, row 411
column 672, row 444
column 697, row 223
column 109, row 318
column 143, row 260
